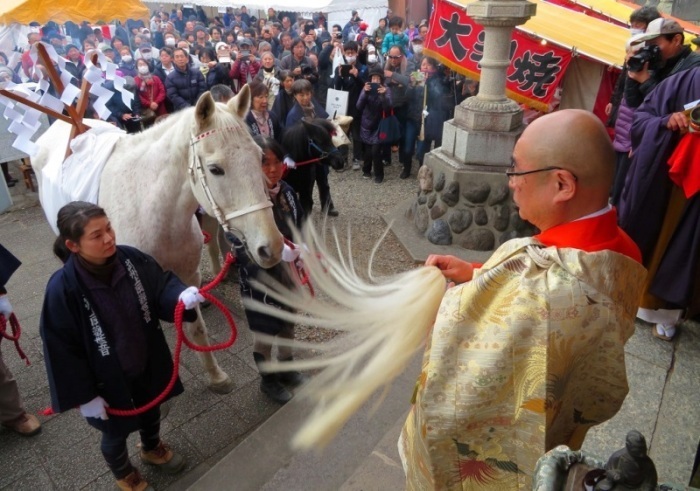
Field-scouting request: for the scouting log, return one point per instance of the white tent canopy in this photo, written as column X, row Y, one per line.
column 327, row 6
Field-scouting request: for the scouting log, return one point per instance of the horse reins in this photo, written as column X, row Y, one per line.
column 324, row 155
column 196, row 168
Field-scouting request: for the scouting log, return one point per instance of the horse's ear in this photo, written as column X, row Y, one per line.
column 240, row 104
column 205, row 109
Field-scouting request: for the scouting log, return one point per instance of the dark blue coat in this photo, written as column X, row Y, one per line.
column 81, row 359
column 296, row 113
column 8, row 265
column 286, row 210
column 185, row 87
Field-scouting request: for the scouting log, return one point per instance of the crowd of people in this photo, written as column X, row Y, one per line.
column 174, row 59
column 533, row 294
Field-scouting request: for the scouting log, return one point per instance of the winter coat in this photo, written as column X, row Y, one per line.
column 244, row 71
column 8, row 265
column 217, row 75
column 77, row 71
column 296, row 113
column 273, row 124
column 400, row 81
column 623, row 128
column 440, row 105
column 290, row 63
column 184, row 87
column 128, row 69
column 286, row 209
column 79, row 352
column 391, row 39
column 283, row 104
column 372, row 107
column 151, row 92
column 353, row 86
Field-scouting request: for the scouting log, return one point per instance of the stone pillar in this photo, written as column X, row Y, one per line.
column 463, row 198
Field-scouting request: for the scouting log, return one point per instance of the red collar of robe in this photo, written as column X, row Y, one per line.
column 594, row 234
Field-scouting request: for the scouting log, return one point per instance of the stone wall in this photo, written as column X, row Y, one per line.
column 468, row 208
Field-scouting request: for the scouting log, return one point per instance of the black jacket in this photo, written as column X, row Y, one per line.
column 185, row 87
column 81, row 359
column 8, row 265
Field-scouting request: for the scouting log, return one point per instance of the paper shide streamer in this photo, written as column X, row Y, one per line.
column 25, row 120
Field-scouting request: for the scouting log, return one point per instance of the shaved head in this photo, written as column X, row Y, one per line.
column 575, row 140
column 578, row 161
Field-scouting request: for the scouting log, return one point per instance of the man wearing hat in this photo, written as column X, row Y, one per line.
column 667, row 34
column 108, row 51
column 246, row 66
column 75, row 65
column 417, row 50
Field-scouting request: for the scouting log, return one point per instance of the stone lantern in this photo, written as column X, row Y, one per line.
column 463, row 200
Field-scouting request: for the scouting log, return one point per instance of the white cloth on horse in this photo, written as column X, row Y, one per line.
column 77, row 178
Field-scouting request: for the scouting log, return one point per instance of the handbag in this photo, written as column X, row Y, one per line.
column 389, row 128
column 337, row 102
column 148, row 115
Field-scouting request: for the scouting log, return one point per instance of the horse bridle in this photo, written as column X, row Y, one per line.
column 196, row 168
column 324, row 155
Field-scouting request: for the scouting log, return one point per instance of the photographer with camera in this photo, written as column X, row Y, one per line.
column 299, row 64
column 351, row 76
column 663, row 55
column 246, row 66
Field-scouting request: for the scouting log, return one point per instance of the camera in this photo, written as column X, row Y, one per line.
column 306, row 70
column 651, row 54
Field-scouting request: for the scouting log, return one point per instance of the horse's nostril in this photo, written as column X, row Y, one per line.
column 264, row 252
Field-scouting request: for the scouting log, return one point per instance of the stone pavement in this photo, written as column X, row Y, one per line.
column 203, row 425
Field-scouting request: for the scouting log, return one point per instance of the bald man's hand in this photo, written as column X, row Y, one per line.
column 451, row 267
column 678, row 122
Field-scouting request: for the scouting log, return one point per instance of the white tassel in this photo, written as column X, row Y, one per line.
column 386, row 321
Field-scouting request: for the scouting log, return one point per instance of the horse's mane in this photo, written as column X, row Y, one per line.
column 385, row 320
column 295, row 139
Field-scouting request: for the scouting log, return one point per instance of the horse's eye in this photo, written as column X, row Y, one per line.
column 216, row 170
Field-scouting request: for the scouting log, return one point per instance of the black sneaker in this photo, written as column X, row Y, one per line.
column 331, row 212
column 378, row 180
column 366, row 175
column 292, row 378
column 405, row 174
column 272, row 388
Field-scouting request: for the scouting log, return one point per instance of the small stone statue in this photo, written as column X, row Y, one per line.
column 630, row 467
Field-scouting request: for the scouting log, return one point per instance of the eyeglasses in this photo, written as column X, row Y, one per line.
column 394, row 57
column 512, row 173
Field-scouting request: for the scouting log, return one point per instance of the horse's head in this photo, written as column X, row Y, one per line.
column 313, row 139
column 227, row 178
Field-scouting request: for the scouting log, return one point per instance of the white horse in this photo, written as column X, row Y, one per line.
column 153, row 182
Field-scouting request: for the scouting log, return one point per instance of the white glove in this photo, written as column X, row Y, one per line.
column 5, row 306
column 95, row 409
column 425, row 113
column 289, row 162
column 290, row 254
column 191, row 297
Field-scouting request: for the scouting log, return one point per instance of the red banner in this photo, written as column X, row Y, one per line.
column 535, row 70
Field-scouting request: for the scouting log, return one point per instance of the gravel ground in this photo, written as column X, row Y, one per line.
column 361, row 204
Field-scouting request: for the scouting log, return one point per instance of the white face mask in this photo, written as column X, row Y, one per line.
column 417, row 48
column 350, row 59
column 170, row 42
column 126, row 58
column 372, row 59
column 146, row 35
column 143, row 70
column 634, row 31
column 147, row 55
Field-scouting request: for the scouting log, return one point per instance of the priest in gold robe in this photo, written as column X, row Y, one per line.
column 527, row 351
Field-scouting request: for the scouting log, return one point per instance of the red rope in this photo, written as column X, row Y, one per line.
column 207, row 236
column 14, row 337
column 182, row 338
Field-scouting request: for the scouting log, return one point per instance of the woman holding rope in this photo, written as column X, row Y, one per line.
column 103, row 344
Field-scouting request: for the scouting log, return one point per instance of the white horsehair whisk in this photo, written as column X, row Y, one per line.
column 385, row 320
